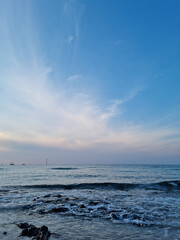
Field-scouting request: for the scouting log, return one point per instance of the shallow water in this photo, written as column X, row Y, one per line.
column 98, row 202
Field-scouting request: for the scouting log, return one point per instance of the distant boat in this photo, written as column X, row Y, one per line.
column 11, row 163
column 23, row 164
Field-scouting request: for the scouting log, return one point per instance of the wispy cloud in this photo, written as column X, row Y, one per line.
column 114, row 109
column 34, row 111
column 70, row 38
column 74, row 77
column 73, row 10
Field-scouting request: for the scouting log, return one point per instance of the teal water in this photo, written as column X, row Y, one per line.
column 100, row 201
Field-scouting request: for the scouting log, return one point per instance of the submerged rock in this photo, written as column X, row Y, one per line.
column 47, row 195
column 82, row 206
column 59, row 209
column 114, row 216
column 48, row 201
column 42, row 211
column 58, row 195
column 94, row 203
column 102, row 208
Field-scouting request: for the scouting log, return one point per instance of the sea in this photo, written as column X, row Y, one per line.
column 79, row 202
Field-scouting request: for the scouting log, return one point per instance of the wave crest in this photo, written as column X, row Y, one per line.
column 163, row 186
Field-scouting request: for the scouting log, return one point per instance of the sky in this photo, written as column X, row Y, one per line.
column 90, row 81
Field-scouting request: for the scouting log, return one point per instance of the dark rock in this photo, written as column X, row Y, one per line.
column 41, row 211
column 67, row 199
column 90, row 209
column 82, row 206
column 33, row 231
column 114, row 216
column 43, row 236
column 41, row 233
column 135, row 216
column 72, row 204
column 23, row 225
column 24, row 232
column 58, row 196
column 102, row 209
column 44, row 228
column 48, row 195
column 47, row 201
column 60, row 209
column 4, row 233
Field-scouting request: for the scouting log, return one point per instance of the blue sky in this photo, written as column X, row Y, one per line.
column 90, row 81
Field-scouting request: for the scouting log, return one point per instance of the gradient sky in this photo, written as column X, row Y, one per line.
column 90, row 81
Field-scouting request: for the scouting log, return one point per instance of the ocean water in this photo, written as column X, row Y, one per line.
column 126, row 202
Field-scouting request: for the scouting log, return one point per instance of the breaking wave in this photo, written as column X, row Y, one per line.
column 161, row 186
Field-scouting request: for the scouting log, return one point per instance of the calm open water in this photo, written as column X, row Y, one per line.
column 92, row 202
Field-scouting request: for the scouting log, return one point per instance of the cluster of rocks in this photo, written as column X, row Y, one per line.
column 29, row 230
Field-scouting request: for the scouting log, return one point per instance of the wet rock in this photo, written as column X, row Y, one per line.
column 72, row 204
column 135, row 216
column 24, row 232
column 23, row 225
column 48, row 195
column 43, row 236
column 47, row 201
column 44, row 228
column 58, row 201
column 33, row 231
column 41, row 211
column 102, row 209
column 113, row 215
column 58, row 195
column 54, row 210
column 125, row 215
column 41, row 233
column 82, row 206
column 57, row 210
column 4, row 233
column 90, row 209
